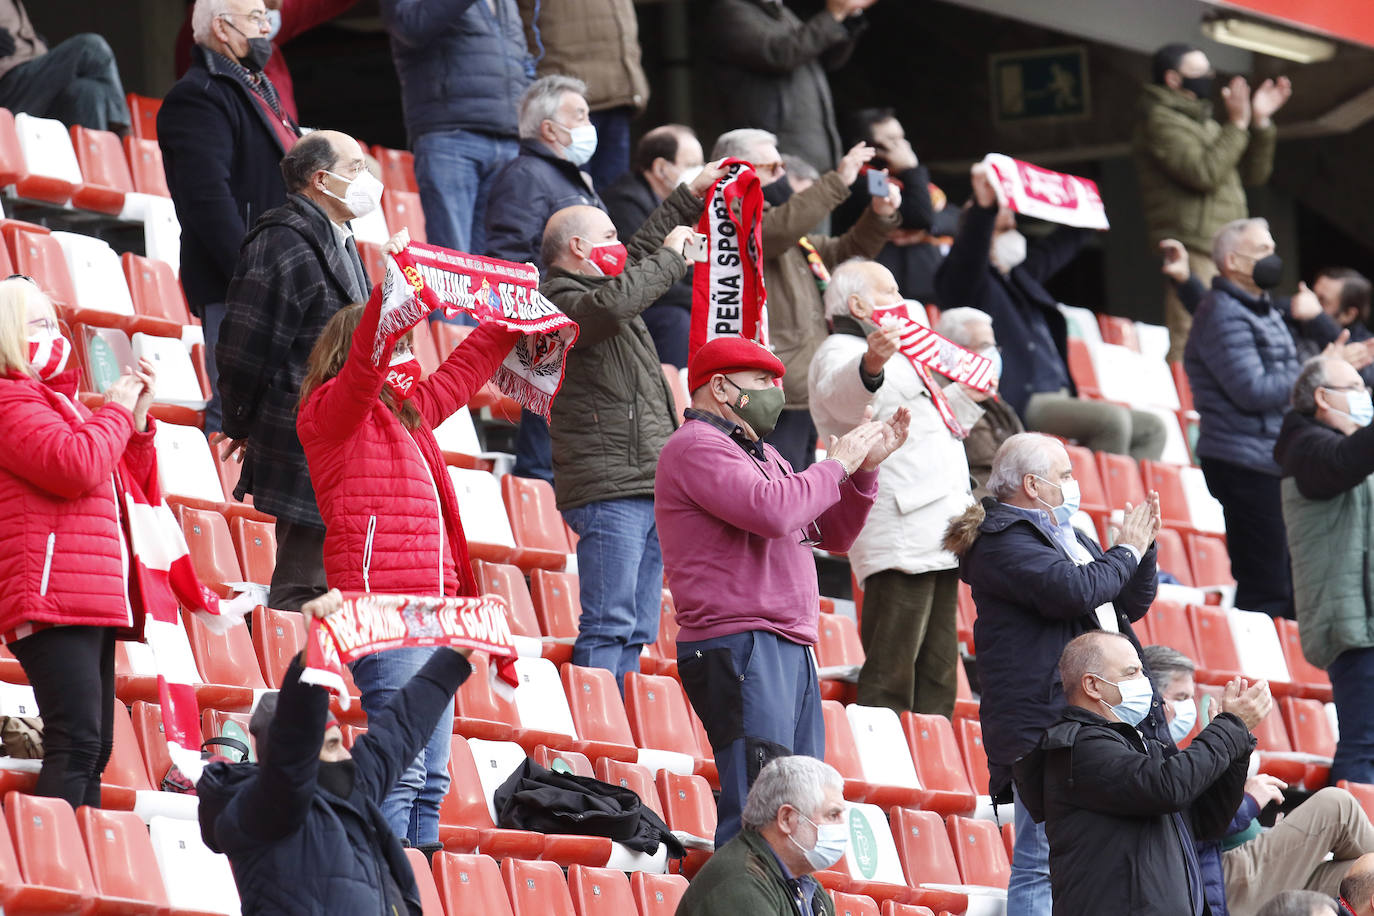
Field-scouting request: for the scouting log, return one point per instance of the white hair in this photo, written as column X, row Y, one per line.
column 798, row 781
column 741, row 143
column 849, row 279
column 1021, row 454
column 1228, row 237
column 206, row 12
column 541, row 100
column 954, row 323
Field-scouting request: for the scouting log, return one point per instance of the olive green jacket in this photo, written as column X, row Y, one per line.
column 743, row 878
column 615, row 410
column 1192, row 170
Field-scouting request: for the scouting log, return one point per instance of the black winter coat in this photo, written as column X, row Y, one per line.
column 1121, row 813
column 528, row 190
column 222, row 159
column 1032, row 599
column 295, row 847
column 292, row 277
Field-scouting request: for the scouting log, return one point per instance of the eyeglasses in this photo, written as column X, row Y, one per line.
column 772, row 169
column 257, row 17
column 22, row 277
column 1347, row 388
column 811, row 535
column 349, row 171
column 44, row 324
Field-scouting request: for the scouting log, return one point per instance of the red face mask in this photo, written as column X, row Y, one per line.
column 609, row 257
column 48, row 352
column 402, row 375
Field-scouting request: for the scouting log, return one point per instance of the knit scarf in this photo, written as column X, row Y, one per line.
column 728, row 295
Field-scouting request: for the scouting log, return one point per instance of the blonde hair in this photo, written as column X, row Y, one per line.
column 20, row 302
column 331, row 351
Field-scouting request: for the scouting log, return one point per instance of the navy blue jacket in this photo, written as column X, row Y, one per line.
column 1032, row 599
column 297, row 848
column 461, row 64
column 528, row 190
column 1030, row 328
column 1241, row 364
column 1209, row 857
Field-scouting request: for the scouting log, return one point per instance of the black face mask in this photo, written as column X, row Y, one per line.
column 778, row 193
column 1200, row 86
column 259, row 51
column 1267, row 271
column 337, row 777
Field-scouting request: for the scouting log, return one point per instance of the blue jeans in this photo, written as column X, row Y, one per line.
column 612, row 157
column 1352, row 674
column 411, row 808
column 454, row 170
column 533, row 448
column 210, row 325
column 758, row 697
column 1028, row 892
column 621, row 571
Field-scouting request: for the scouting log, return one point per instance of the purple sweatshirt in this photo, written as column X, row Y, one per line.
column 731, row 528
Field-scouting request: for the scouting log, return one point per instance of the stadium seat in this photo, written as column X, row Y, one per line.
column 883, row 756
column 143, row 115
column 104, row 170
column 20, row 896
column 1309, row 680
column 103, row 353
column 154, row 289
column 600, row 891
column 509, row 582
column 1169, row 625
column 53, row 173
column 542, row 707
column 197, row 880
column 277, row 637
column 1172, row 556
column 1363, row 792
column 598, row 712
column 38, row 255
column 536, row 888
column 854, row 905
column 978, row 850
column 11, row 156
column 1217, row 659
column 638, row 779
column 1311, row 734
column 47, row 845
column 657, row 895
column 457, row 438
column 224, row 658
column 967, row 613
column 689, row 810
column 557, row 604
column 398, row 168
column 470, row 883
column 893, row 908
column 924, row 850
column 145, row 166
column 125, row 774
column 1173, row 498
column 216, row 723
column 1093, row 498
column 839, row 656
column 484, row 515
column 177, row 382
column 534, row 521
column 1182, row 385
column 430, row 903
column 1204, row 509
column 212, row 549
column 1259, row 651
column 481, row 712
column 562, row 761
column 969, row 734
column 123, row 868
column 374, row 260
column 1275, row 749
column 872, row 868
column 930, row 739
column 186, row 466
column 1119, row 331
column 965, row 706
column 1081, row 369
column 152, row 741
column 1120, row 480
column 842, row 753
column 660, row 718
column 1211, row 564
column 661, row 654
column 256, row 544
column 467, row 820
column 403, row 211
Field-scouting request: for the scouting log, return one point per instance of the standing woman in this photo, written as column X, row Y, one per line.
column 390, row 512
column 64, row 559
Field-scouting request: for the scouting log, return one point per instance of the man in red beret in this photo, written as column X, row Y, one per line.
column 736, row 527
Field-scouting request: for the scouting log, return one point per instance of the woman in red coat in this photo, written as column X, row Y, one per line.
column 64, row 560
column 389, row 508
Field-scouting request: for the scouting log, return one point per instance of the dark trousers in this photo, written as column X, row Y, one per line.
column 612, row 157
column 1256, row 537
column 1352, row 677
column 71, row 670
column 911, row 641
column 76, row 82
column 299, row 574
column 795, row 438
column 533, row 448
column 758, row 697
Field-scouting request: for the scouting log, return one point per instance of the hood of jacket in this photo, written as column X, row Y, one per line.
column 987, row 517
column 1030, row 768
column 1153, row 95
column 217, row 786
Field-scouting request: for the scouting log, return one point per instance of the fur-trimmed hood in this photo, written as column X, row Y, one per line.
column 962, row 530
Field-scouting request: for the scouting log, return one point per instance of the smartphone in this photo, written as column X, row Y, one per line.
column 877, row 183
column 695, row 249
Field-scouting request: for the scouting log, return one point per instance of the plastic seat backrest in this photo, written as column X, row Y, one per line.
column 177, row 382
column 838, row 642
column 47, row 843
column 978, row 849
column 657, row 895
column 688, row 804
column 894, row 908
column 154, row 288
column 1216, row 645
column 1081, row 368
column 211, row 546
column 597, row 709
column 930, row 738
column 1308, row 726
column 539, row 699
column 1204, row 508
column 508, row 581
column 1271, row 734
column 196, row 878
column 185, row 464
column 1120, row 480
column 534, row 518
column 840, row 750
column 600, row 891
column 470, row 884
column 883, row 752
column 1173, row 499
column 147, row 721
column 121, row 855
column 476, row 699
column 1211, row 563
column 403, row 211
column 40, row 256
column 103, row 165
column 1170, row 626
column 143, row 114
column 126, row 767
column 1257, row 646
column 277, row 637
column 536, row 888
column 430, row 904
column 11, row 156
column 636, row 777
column 854, row 904
column 924, row 848
column 658, row 714
column 48, row 151
column 97, row 276
column 969, row 733
column 105, row 352
column 145, row 166
column 557, row 602
column 465, row 803
column 224, row 658
column 496, row 761
column 1303, row 671
column 479, row 503
column 1093, row 496
column 256, row 543
column 560, row 761
column 1172, row 556
column 398, row 168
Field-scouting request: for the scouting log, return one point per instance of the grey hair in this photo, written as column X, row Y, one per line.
column 541, row 100
column 954, row 323
column 849, row 279
column 799, row 168
column 1314, row 375
column 206, row 12
column 1228, row 237
column 1165, row 664
column 1021, row 454
column 1298, row 903
column 310, row 154
column 798, row 781
column 740, row 143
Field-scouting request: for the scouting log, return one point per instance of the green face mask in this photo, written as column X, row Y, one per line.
column 759, row 407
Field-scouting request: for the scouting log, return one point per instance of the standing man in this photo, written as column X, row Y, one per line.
column 910, row 582
column 462, row 66
column 1120, row 813
column 1038, row 583
column 773, row 70
column 1325, row 452
column 223, row 132
column 737, row 526
column 298, row 267
column 972, row 330
column 614, row 414
column 76, row 81
column 1193, row 170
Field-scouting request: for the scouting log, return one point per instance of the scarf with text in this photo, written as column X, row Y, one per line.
column 728, row 295
column 422, row 278
column 1043, row 194
column 927, row 351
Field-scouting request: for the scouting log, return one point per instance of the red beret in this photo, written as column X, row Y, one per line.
column 730, row 354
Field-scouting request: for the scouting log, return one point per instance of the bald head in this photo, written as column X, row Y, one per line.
column 320, row 165
column 857, row 287
column 1357, row 887
column 570, row 235
column 1098, row 654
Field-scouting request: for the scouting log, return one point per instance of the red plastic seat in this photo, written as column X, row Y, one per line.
column 104, row 169
column 600, row 891
column 1211, row 563
column 969, row 734
column 965, row 705
column 374, row 263
column 125, row 774
column 465, row 823
column 536, row 888
column 145, row 166
column 978, row 849
column 1309, row 680
column 256, row 544
column 657, row 895
column 211, row 548
column 1172, row 557
column 508, row 581
column 38, row 255
column 842, row 753
column 967, row 613
column 1170, row 626
column 1217, row 658
column 1081, row 369
column 48, row 848
column 152, row 741
column 924, row 850
column 598, row 712
column 224, row 658
column 403, row 211
column 938, row 764
column 636, row 777
column 1120, row 480
column 143, row 115
column 1311, row 733
column 398, row 168
column 1276, row 750
column 1093, row 496
column 155, row 289
column 480, row 712
column 662, row 655
column 1363, row 792
column 854, row 905
column 689, row 807
column 1119, row 331
column 430, row 904
column 1173, row 499
column 217, row 723
column 562, row 761
column 123, row 867
column 661, row 719
column 838, row 645
column 682, row 399
column 20, row 896
column 12, row 166
column 277, row 637
column 893, row 908
column 1181, row 383
column 534, row 521
column 470, row 884
column 557, row 602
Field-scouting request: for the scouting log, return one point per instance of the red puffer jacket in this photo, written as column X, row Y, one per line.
column 63, row 557
column 390, row 513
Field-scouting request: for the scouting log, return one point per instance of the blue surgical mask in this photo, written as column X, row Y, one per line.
column 1361, row 407
column 1064, row 511
column 995, row 355
column 1185, row 717
column 1136, row 697
column 832, row 840
column 581, row 145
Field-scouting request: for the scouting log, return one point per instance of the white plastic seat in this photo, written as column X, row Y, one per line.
column 875, row 860
column 162, row 232
column 458, row 434
column 883, row 751
column 17, row 700
column 1257, row 645
column 47, row 148
column 1206, row 512
column 539, row 697
column 166, row 651
column 495, row 760
column 96, row 273
column 185, row 464
column 1118, row 372
column 1154, row 340
column 177, row 382
column 196, row 878
column 481, row 506
column 1084, row 523
column 1083, row 323
column 1175, row 446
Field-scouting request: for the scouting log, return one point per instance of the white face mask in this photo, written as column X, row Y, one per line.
column 1008, row 250
column 1185, row 717
column 1136, row 697
column 581, row 145
column 832, row 841
column 995, row 355
column 689, row 174
column 364, row 193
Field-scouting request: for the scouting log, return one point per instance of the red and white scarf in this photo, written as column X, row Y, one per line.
column 928, row 351
column 728, row 295
column 1052, row 196
column 423, row 278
